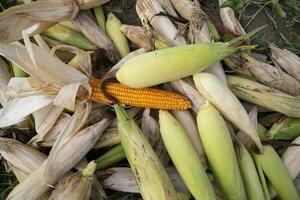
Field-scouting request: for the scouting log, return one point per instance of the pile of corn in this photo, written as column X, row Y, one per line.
column 145, row 109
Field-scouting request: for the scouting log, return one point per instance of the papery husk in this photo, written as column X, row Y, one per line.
column 76, row 186
column 152, row 179
column 69, row 25
column 122, row 179
column 90, row 29
column 113, row 26
column 287, row 60
column 220, row 152
column 184, row 8
column 137, row 36
column 168, row 7
column 161, row 24
column 291, row 159
column 265, row 96
column 88, row 4
column 44, row 13
column 111, row 157
column 4, row 79
column 185, row 157
column 189, row 125
column 227, row 103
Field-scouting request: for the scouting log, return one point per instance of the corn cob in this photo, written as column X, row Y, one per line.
column 144, row 97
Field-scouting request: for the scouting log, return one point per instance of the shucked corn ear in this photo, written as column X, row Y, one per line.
column 151, row 177
column 185, row 157
column 265, row 96
column 277, row 173
column 221, row 97
column 68, row 36
column 286, row 129
column 249, row 174
column 113, row 25
column 76, row 186
column 220, row 153
column 170, row 64
column 145, row 97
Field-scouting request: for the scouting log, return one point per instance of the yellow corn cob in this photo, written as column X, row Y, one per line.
column 142, row 97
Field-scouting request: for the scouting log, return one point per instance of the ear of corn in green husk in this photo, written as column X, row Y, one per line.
column 110, row 137
column 220, row 96
column 275, row 171
column 122, row 179
column 285, row 129
column 220, row 153
column 91, row 30
column 68, row 36
column 113, row 26
column 249, row 174
column 162, row 24
column 176, row 62
column 137, row 36
column 111, row 157
column 187, row 121
column 88, row 4
column 76, row 186
column 287, row 60
column 69, row 25
column 291, row 158
column 262, row 131
column 17, row 71
column 151, row 177
column 265, row 96
column 185, row 157
column 100, row 17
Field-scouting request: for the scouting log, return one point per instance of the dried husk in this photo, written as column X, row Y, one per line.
column 88, row 4
column 137, row 36
column 168, row 7
column 183, row 7
column 4, row 79
column 291, row 159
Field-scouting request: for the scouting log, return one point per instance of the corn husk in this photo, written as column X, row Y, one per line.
column 42, row 13
column 137, row 36
column 285, row 129
column 97, row 192
column 171, row 64
column 189, row 125
column 273, row 168
column 189, row 91
column 151, row 177
column 288, row 61
column 88, row 4
column 69, row 25
column 90, row 30
column 111, row 157
column 270, row 119
column 76, row 186
column 100, row 17
column 4, row 79
column 17, row 71
column 110, row 137
column 185, row 157
column 161, row 24
column 220, row 96
column 113, row 26
column 220, row 153
column 249, row 174
column 168, row 7
column 291, row 159
column 122, row 179
column 265, row 96
column 183, row 7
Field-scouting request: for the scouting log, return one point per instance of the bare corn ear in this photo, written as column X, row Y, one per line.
column 220, row 96
column 220, row 152
column 151, row 176
column 185, row 157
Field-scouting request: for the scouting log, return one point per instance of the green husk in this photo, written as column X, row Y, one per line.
column 151, row 176
column 110, row 137
column 278, row 175
column 113, row 25
column 100, row 17
column 17, row 71
column 286, row 129
column 220, row 152
column 68, row 36
column 69, row 25
column 185, row 157
column 111, row 157
column 265, row 96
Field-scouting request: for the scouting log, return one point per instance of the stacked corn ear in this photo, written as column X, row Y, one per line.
column 272, row 168
column 265, row 96
column 222, row 98
column 111, row 157
column 151, row 177
column 76, row 186
column 185, row 157
column 220, row 152
column 285, row 129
